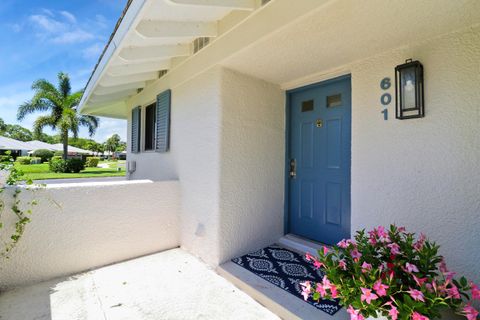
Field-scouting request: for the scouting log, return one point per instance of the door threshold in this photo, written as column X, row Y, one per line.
column 301, row 244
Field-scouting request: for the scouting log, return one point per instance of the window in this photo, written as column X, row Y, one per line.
column 156, row 127
column 150, row 120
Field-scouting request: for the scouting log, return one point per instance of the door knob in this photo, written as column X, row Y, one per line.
column 293, row 168
column 319, row 123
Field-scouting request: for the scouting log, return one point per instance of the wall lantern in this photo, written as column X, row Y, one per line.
column 409, row 90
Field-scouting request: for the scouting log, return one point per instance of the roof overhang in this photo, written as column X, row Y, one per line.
column 148, row 36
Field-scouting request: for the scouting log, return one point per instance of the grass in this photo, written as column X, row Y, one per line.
column 42, row 172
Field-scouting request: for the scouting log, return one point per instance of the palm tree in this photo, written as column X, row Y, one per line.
column 62, row 105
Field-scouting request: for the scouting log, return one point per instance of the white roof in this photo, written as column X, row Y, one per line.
column 12, row 144
column 72, row 149
column 36, row 145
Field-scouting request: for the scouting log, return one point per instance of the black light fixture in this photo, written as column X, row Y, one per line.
column 409, row 98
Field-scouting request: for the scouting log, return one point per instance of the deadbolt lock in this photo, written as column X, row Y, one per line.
column 319, row 123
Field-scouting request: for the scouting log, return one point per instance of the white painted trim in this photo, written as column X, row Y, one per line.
column 315, row 78
column 137, row 68
column 132, row 17
column 231, row 4
column 176, row 29
column 154, row 52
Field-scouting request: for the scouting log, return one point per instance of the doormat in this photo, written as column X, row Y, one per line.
column 286, row 269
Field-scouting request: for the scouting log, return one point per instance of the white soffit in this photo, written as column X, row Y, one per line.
column 150, row 35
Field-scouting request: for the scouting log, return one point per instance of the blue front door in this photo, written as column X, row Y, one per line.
column 319, row 160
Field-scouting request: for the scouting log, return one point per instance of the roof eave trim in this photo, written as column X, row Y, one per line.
column 129, row 18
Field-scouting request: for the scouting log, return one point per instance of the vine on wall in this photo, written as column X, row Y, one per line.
column 9, row 180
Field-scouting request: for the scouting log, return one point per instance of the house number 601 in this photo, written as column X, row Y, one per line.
column 386, row 98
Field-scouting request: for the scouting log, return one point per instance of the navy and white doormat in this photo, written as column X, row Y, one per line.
column 286, row 269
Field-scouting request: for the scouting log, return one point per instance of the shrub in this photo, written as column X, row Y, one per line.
column 66, row 166
column 5, row 158
column 57, row 164
column 58, row 153
column 44, row 154
column 92, row 162
column 23, row 160
column 75, row 165
column 35, row 160
column 391, row 273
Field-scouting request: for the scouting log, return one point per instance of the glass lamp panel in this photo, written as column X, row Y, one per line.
column 408, row 84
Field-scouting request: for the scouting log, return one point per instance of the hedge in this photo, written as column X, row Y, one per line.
column 92, row 162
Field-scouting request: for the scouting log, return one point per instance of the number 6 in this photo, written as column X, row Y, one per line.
column 385, row 84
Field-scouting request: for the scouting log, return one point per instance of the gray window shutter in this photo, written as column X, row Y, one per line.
column 136, row 123
column 162, row 141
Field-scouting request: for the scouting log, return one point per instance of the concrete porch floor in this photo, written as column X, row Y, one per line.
column 168, row 285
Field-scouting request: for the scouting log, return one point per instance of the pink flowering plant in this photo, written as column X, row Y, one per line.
column 390, row 273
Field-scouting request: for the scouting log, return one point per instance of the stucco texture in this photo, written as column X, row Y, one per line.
column 74, row 228
column 422, row 173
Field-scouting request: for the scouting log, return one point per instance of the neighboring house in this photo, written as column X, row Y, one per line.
column 73, row 151
column 274, row 118
column 37, row 145
column 16, row 147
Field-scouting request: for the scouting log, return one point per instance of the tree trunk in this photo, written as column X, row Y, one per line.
column 65, row 145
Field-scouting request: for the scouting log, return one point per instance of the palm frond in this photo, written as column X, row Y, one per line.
column 73, row 100
column 42, row 122
column 90, row 122
column 64, row 84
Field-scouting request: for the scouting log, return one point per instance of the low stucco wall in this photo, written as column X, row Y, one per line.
column 76, row 227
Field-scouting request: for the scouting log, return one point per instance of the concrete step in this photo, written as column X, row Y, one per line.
column 280, row 302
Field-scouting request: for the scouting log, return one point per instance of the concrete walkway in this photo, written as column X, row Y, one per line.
column 79, row 180
column 168, row 285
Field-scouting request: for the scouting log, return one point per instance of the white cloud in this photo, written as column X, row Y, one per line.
column 60, row 28
column 69, row 16
column 93, row 51
column 47, row 23
column 73, row 36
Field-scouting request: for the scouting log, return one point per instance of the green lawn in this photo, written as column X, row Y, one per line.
column 41, row 172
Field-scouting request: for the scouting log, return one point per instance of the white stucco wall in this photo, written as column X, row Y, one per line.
column 251, row 164
column 193, row 158
column 422, row 173
column 79, row 227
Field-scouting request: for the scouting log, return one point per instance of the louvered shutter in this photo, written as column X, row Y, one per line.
column 136, row 123
column 162, row 141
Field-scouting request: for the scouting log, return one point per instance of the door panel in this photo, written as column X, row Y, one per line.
column 320, row 143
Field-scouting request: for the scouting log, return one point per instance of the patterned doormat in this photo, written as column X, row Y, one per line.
column 286, row 269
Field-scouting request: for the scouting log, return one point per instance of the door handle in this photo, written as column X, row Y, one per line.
column 293, row 168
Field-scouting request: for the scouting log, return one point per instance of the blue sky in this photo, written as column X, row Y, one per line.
column 42, row 37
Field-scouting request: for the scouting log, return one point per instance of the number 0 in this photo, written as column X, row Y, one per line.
column 386, row 99
column 385, row 83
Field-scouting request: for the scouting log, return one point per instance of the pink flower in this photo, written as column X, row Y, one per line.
column 309, row 257
column 449, row 275
column 367, row 295
column 334, row 291
column 325, row 250
column 453, row 292
column 416, row 295
column 394, row 248
column 320, row 289
column 306, row 288
column 381, row 232
column 411, row 267
column 380, row 288
column 475, row 291
column 317, row 264
column 470, row 312
column 393, row 313
column 354, row 314
column 366, row 267
column 355, row 254
column 326, row 283
column 342, row 264
column 419, row 281
column 419, row 244
column 418, row 316
column 342, row 244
